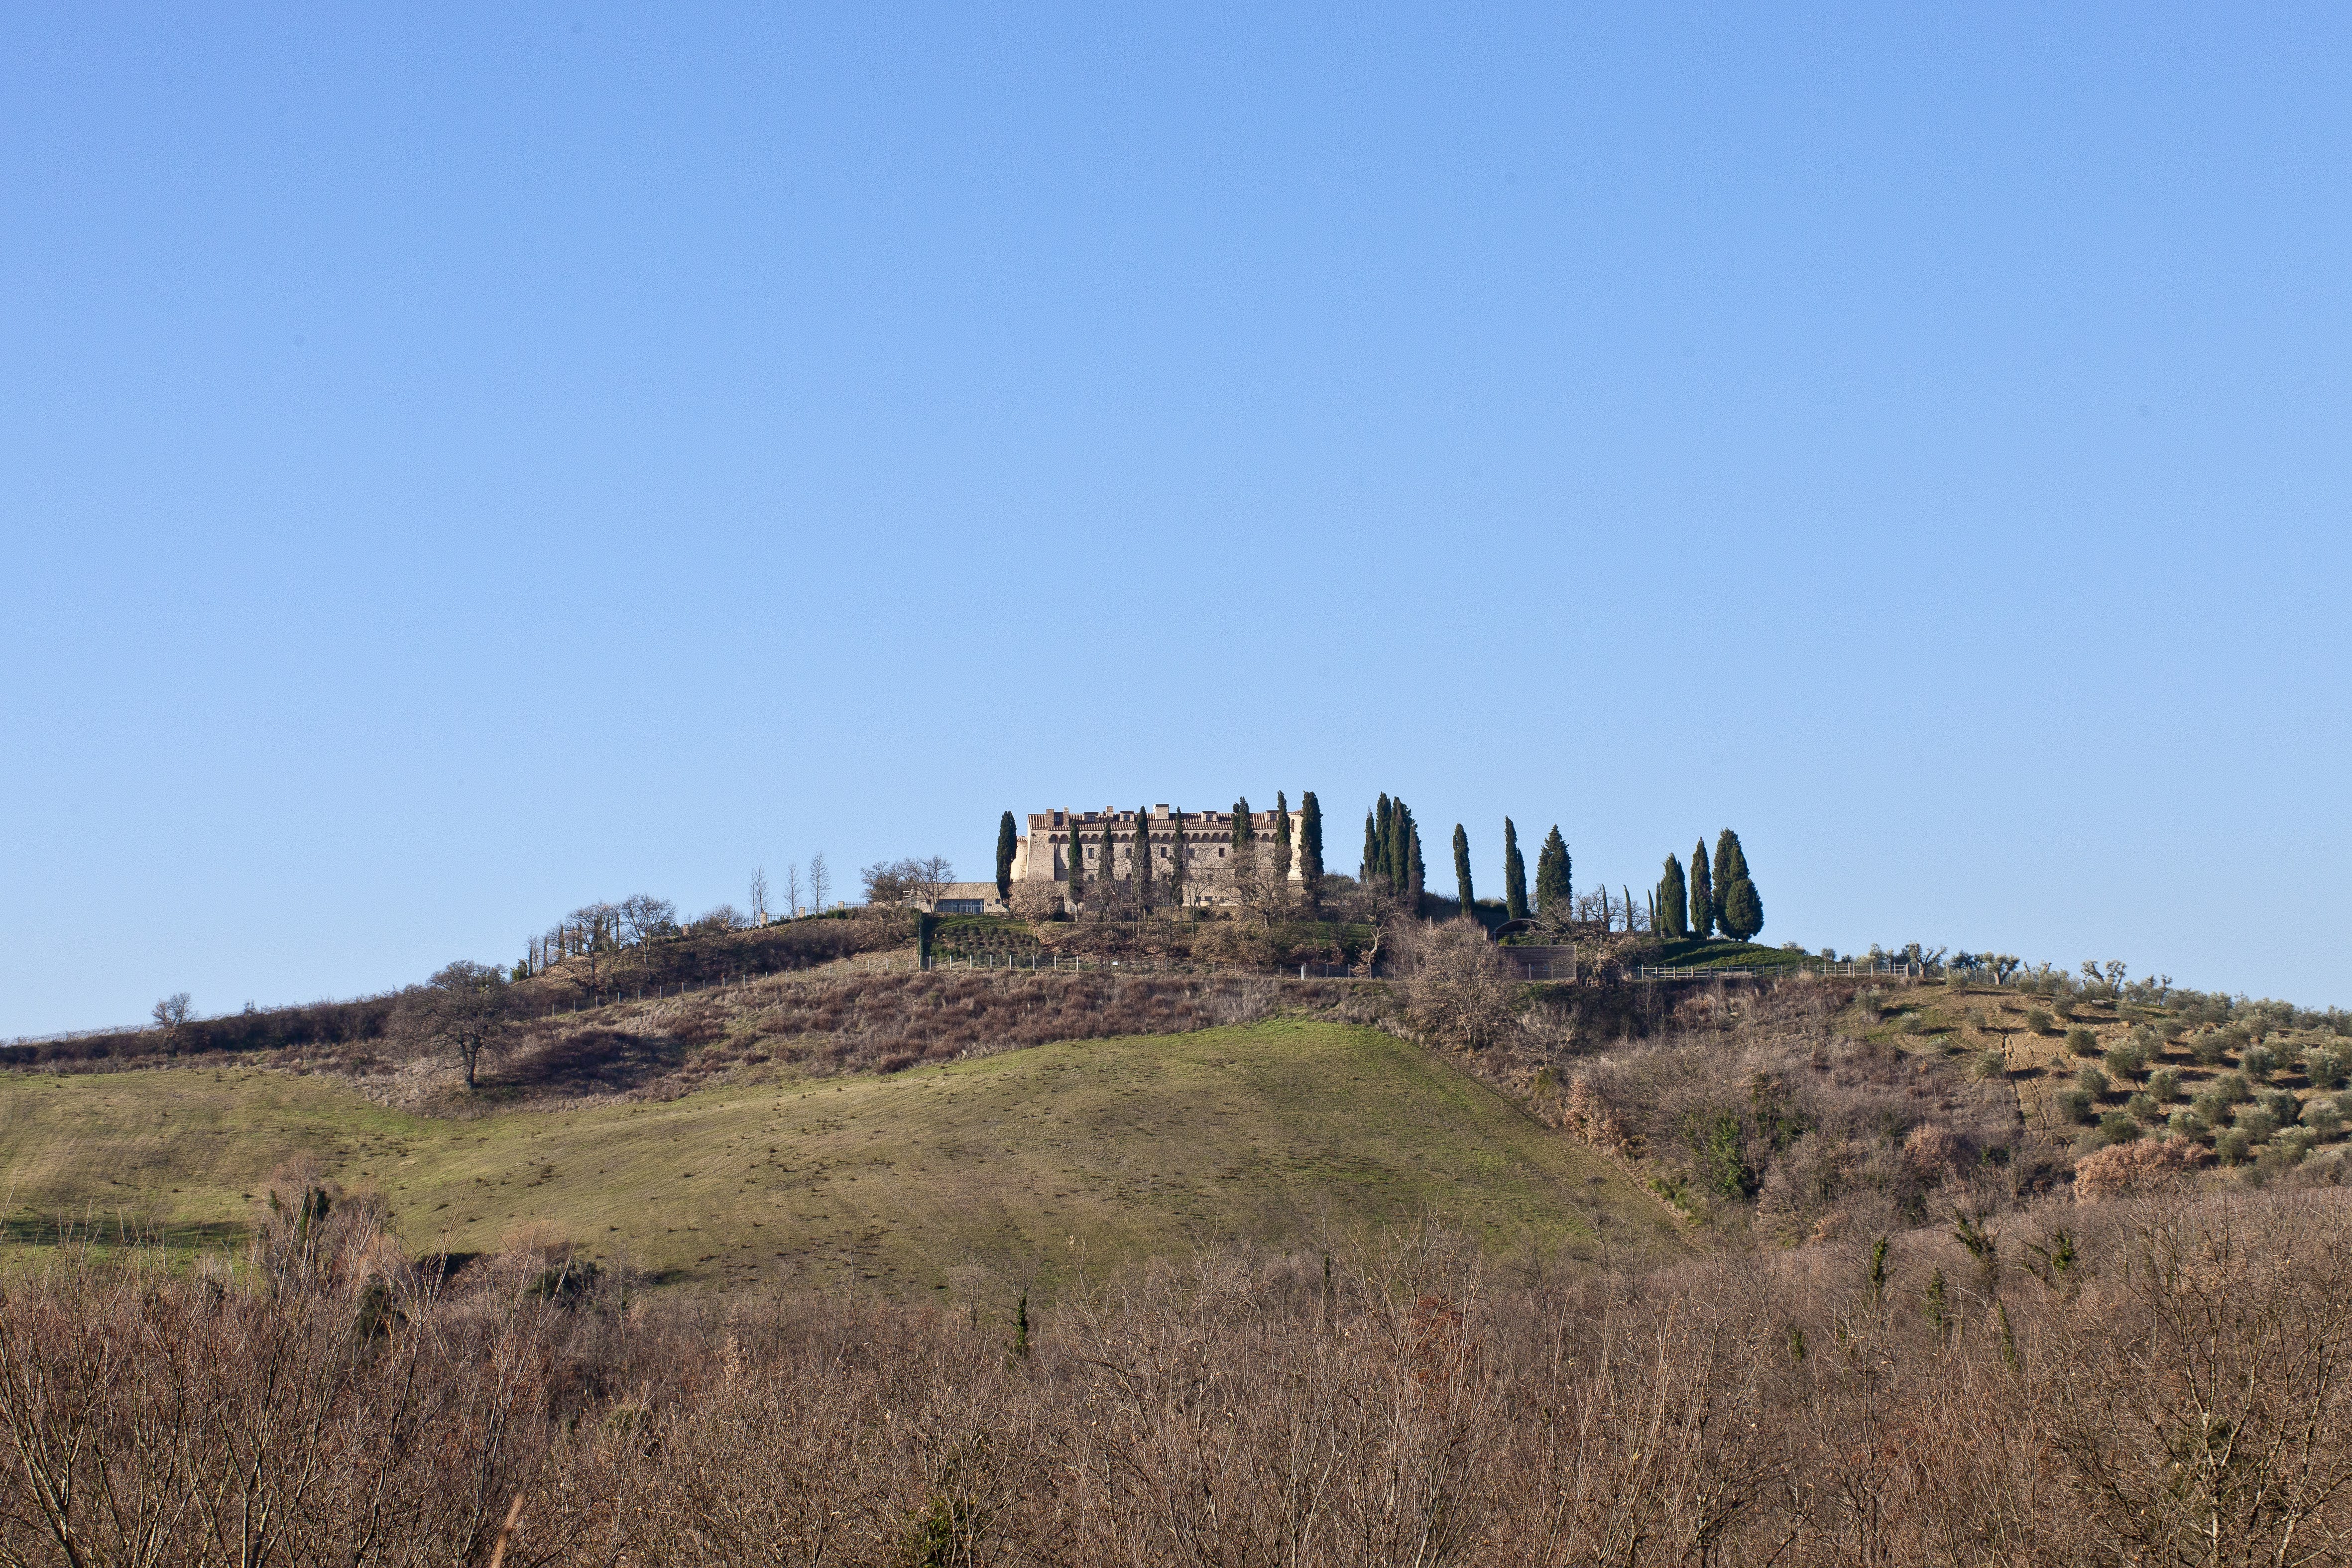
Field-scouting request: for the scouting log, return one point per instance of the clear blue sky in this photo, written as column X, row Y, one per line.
column 455, row 463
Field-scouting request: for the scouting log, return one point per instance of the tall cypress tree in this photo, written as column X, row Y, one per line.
column 1552, row 887
column 1310, row 848
column 1282, row 839
column 1176, row 872
column 1077, row 865
column 1702, row 893
column 1244, row 830
column 1383, row 838
column 1416, row 874
column 1462, row 871
column 1674, row 901
column 1402, row 833
column 1142, row 871
column 1372, row 848
column 1007, row 840
column 1730, row 861
column 1742, row 912
column 1514, row 873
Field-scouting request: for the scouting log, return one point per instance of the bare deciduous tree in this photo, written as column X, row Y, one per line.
column 793, row 890
column 644, row 917
column 1454, row 987
column 759, row 895
column 466, row 1008
column 820, row 877
column 171, row 1013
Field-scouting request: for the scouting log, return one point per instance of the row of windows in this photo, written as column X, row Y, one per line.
column 1191, row 853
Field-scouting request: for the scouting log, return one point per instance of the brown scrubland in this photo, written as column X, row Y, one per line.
column 2157, row 1380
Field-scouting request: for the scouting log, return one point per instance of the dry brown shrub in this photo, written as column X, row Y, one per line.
column 2143, row 1166
column 2166, row 1387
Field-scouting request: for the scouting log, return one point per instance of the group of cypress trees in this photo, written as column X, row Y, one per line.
column 1695, row 908
column 1392, row 860
column 1555, row 874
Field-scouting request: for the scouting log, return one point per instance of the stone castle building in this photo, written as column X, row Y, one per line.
column 1110, row 838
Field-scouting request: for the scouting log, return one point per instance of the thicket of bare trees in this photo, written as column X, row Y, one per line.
column 2147, row 1382
column 907, row 881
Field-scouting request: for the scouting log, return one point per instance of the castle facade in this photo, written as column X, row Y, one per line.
column 1107, row 841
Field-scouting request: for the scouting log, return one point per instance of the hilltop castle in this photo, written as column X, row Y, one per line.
column 1108, row 838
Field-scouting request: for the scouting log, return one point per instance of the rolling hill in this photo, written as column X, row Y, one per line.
column 1031, row 1167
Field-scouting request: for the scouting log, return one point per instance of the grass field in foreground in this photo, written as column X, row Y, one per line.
column 1029, row 1166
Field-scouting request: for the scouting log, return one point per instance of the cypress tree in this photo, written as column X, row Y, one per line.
column 1462, row 871
column 1007, row 840
column 1674, row 901
column 1282, row 838
column 1141, row 875
column 1416, row 876
column 1176, row 875
column 1371, row 848
column 1730, row 860
column 1383, row 839
column 1401, row 836
column 1702, row 893
column 1244, row 830
column 1077, row 865
column 1310, row 847
column 1743, row 912
column 1552, row 894
column 1514, row 873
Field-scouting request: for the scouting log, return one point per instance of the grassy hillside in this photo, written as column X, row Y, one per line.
column 957, row 1180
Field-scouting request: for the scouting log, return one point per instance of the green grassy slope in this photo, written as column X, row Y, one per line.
column 1033, row 1165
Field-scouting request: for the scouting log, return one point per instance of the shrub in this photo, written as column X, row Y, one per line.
column 2143, row 1107
column 2280, row 1105
column 2323, row 1067
column 2293, row 1144
column 2214, row 1105
column 2118, row 1127
column 2091, row 1080
column 2122, row 1170
column 2256, row 1123
column 2165, row 1084
column 2232, row 1088
column 2125, row 1062
column 2209, row 1048
column 2073, row 1105
column 2187, row 1125
column 2258, row 1062
column 2232, row 1145
column 1987, row 1065
column 2082, row 1043
column 2037, row 1020
column 2322, row 1117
